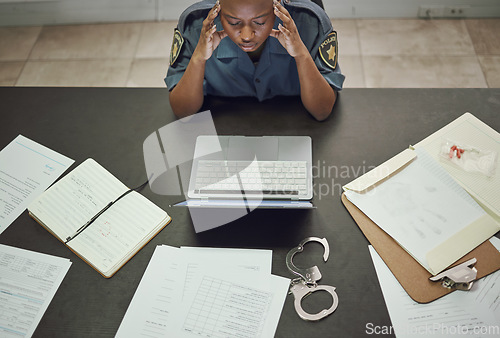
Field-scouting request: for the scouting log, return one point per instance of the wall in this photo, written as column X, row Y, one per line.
column 46, row 12
column 412, row 8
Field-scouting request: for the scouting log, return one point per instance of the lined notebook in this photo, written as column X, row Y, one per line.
column 112, row 238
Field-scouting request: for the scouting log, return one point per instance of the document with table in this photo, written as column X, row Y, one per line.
column 461, row 313
column 204, row 292
column 26, row 170
column 29, row 281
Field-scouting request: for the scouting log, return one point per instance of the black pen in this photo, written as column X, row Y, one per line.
column 85, row 226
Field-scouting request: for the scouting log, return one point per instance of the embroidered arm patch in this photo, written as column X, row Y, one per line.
column 176, row 46
column 329, row 50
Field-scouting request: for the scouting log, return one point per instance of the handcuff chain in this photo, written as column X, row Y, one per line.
column 303, row 281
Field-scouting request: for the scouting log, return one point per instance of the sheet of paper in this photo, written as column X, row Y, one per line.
column 468, row 130
column 28, row 282
column 167, row 280
column 26, row 170
column 474, row 313
column 158, row 295
column 420, row 207
column 254, row 259
column 231, row 304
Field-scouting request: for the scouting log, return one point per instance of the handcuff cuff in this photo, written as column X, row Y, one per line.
column 306, row 283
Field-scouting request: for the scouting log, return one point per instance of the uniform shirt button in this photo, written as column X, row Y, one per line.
column 257, row 80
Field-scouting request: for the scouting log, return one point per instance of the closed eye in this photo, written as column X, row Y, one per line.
column 234, row 23
column 259, row 23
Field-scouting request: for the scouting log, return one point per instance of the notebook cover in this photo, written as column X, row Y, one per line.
column 413, row 277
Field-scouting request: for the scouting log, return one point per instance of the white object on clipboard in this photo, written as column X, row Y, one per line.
column 470, row 130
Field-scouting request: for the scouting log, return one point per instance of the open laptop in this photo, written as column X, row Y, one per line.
column 251, row 172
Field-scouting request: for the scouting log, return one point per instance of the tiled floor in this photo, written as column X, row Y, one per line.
column 372, row 53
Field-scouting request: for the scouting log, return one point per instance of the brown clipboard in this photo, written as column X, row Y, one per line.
column 413, row 277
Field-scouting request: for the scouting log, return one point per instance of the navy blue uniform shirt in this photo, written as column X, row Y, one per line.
column 230, row 72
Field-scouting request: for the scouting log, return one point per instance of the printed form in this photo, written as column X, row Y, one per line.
column 474, row 313
column 232, row 304
column 26, row 170
column 206, row 291
column 28, row 282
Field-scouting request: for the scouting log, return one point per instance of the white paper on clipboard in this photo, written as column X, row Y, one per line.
column 418, row 204
column 468, row 129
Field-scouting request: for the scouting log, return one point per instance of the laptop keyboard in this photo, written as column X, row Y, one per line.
column 246, row 177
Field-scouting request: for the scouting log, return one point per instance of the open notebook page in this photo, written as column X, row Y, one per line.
column 76, row 198
column 122, row 230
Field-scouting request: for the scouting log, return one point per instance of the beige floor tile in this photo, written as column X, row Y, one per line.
column 485, row 35
column 347, row 33
column 156, row 39
column 87, row 41
column 9, row 72
column 414, row 37
column 423, row 72
column 372, row 53
column 16, row 42
column 76, row 73
column 148, row 73
column 352, row 68
column 491, row 70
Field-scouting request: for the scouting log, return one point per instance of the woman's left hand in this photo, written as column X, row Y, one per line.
column 287, row 33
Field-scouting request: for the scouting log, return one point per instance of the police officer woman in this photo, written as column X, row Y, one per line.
column 258, row 48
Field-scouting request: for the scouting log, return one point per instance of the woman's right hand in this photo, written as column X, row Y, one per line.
column 209, row 36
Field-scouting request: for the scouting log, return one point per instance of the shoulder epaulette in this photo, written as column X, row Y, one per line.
column 196, row 10
column 319, row 12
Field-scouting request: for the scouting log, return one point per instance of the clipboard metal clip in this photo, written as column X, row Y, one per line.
column 306, row 283
column 460, row 277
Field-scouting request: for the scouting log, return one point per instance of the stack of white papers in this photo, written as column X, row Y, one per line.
column 29, row 281
column 206, row 292
column 474, row 313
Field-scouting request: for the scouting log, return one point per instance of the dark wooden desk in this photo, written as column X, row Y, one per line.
column 368, row 126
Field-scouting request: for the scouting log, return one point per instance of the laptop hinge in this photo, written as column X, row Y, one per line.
column 204, row 200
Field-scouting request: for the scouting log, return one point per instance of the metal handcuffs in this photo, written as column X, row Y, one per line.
column 306, row 283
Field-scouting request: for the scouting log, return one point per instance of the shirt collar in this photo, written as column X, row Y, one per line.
column 227, row 49
column 275, row 46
